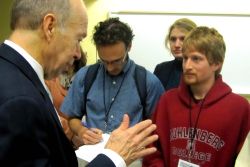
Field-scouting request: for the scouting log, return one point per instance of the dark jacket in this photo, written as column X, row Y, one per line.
column 169, row 73
column 30, row 131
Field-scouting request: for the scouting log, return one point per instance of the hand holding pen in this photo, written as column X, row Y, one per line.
column 90, row 135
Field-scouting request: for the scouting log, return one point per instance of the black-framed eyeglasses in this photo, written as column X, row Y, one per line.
column 115, row 62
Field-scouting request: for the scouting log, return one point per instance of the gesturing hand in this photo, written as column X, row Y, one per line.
column 130, row 143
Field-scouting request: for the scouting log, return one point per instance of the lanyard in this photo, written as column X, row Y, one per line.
column 194, row 131
column 113, row 99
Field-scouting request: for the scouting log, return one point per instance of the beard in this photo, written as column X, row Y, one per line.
column 190, row 79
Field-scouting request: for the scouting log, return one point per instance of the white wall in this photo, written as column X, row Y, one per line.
column 150, row 23
column 189, row 6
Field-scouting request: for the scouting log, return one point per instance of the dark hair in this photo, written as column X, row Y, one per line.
column 112, row 31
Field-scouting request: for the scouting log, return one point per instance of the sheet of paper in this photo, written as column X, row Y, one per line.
column 89, row 152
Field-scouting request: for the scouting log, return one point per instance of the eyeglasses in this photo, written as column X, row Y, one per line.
column 115, row 62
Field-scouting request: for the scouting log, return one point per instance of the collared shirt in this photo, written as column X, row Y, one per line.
column 110, row 97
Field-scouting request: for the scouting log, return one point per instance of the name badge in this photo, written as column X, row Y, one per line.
column 183, row 163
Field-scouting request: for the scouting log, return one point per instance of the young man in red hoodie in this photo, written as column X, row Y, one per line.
column 201, row 123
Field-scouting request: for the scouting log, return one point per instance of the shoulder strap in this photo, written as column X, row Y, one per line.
column 140, row 81
column 89, row 79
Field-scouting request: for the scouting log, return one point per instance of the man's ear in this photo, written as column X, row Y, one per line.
column 48, row 26
column 217, row 66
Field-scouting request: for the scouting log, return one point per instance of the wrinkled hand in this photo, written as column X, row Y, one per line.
column 90, row 136
column 130, row 143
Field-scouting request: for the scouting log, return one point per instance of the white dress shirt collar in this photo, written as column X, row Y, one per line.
column 34, row 64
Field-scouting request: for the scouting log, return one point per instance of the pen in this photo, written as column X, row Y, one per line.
column 85, row 124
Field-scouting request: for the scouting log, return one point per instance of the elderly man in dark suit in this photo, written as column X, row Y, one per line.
column 44, row 42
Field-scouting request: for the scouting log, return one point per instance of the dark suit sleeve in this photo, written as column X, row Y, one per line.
column 23, row 142
column 101, row 161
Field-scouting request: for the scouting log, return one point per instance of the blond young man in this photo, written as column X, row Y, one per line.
column 202, row 123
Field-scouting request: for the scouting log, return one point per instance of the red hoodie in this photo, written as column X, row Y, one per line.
column 221, row 122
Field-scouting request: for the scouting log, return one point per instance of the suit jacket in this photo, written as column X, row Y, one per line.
column 30, row 131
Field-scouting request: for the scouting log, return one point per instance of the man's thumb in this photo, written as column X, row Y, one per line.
column 125, row 122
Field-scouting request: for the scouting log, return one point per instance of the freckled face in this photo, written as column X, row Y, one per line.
column 197, row 70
